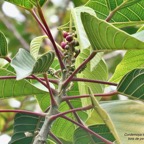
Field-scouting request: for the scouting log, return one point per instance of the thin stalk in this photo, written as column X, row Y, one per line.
column 74, row 112
column 71, row 111
column 94, row 81
column 24, row 111
column 53, row 102
column 112, row 13
column 38, row 21
column 88, row 130
column 50, row 37
column 29, row 77
column 67, row 81
column 43, row 83
column 65, row 98
column 55, row 138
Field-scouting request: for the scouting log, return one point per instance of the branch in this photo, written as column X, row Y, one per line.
column 43, row 83
column 24, row 111
column 94, row 81
column 74, row 112
column 71, row 111
column 38, row 21
column 78, row 69
column 53, row 102
column 50, row 37
column 65, row 98
column 55, row 138
column 88, row 130
column 29, row 77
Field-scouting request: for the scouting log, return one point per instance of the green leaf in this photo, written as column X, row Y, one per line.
column 27, row 4
column 81, row 136
column 25, row 127
column 104, row 36
column 128, row 118
column 96, row 70
column 25, row 65
column 13, row 88
column 3, row 45
column 104, row 116
column 127, row 16
column 133, row 59
column 132, row 84
column 63, row 128
column 35, row 46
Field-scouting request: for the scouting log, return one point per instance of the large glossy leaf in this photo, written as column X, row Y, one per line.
column 125, row 16
column 81, row 136
column 27, row 4
column 25, row 65
column 63, row 128
column 25, row 127
column 104, row 116
column 35, row 46
column 96, row 69
column 132, row 84
column 104, row 36
column 3, row 45
column 128, row 118
column 12, row 88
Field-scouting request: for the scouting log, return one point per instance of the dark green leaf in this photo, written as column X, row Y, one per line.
column 3, row 45
column 132, row 84
column 104, row 36
column 83, row 137
column 25, row 127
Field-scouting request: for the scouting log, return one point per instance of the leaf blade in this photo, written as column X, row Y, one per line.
column 104, row 36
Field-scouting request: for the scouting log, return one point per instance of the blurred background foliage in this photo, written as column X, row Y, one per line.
column 20, row 28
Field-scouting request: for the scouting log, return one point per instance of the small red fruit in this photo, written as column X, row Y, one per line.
column 63, row 44
column 69, row 38
column 65, row 34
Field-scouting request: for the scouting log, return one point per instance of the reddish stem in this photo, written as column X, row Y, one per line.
column 94, row 81
column 75, row 114
column 88, row 130
column 65, row 98
column 38, row 20
column 43, row 83
column 29, row 77
column 50, row 37
column 24, row 111
column 71, row 111
column 55, row 138
column 7, row 59
column 53, row 102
